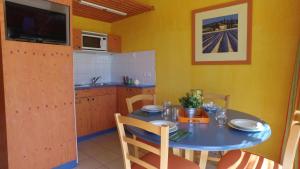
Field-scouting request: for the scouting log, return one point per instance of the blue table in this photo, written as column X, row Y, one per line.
column 209, row 137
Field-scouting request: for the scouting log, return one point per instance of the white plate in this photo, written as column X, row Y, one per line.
column 172, row 125
column 152, row 108
column 246, row 125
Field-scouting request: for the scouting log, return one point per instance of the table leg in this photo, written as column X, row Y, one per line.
column 203, row 159
column 189, row 155
column 177, row 152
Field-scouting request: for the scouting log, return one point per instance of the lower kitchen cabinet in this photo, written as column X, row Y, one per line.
column 95, row 108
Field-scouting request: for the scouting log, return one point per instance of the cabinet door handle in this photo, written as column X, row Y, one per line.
column 88, row 99
column 93, row 99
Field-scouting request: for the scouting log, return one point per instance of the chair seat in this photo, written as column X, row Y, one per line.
column 174, row 162
column 243, row 160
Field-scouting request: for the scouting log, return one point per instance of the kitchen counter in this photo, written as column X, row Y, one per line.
column 112, row 84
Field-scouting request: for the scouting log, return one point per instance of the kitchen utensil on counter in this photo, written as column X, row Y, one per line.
column 136, row 82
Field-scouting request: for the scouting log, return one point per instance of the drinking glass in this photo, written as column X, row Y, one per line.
column 166, row 110
column 167, row 107
column 221, row 117
column 174, row 113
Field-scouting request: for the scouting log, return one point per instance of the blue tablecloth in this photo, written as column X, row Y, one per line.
column 209, row 137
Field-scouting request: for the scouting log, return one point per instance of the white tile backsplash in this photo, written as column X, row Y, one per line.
column 91, row 64
column 136, row 65
column 112, row 67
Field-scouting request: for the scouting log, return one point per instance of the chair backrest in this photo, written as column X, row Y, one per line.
column 141, row 97
column 162, row 131
column 214, row 96
column 292, row 143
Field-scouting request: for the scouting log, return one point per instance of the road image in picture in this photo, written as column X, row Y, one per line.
column 220, row 34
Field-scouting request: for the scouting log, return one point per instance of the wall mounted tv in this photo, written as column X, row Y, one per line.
column 37, row 21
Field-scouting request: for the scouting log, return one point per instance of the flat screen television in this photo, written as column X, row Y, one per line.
column 37, row 21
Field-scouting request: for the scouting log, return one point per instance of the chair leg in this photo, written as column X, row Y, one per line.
column 203, row 159
column 177, row 152
column 136, row 149
column 189, row 155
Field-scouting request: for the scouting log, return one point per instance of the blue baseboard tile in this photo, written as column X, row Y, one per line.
column 93, row 135
column 68, row 165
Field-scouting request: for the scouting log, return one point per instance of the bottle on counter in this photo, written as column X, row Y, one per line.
column 130, row 81
column 136, row 82
column 125, row 80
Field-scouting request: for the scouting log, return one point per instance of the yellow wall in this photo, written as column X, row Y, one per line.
column 261, row 88
column 91, row 25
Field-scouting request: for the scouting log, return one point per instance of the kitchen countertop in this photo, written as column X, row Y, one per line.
column 112, row 84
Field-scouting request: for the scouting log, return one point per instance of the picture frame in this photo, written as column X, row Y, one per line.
column 222, row 34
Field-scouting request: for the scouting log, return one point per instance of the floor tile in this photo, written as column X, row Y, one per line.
column 104, row 152
column 106, row 157
column 90, row 164
column 82, row 156
column 116, row 164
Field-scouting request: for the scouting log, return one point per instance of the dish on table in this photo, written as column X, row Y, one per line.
column 210, row 107
column 246, row 125
column 172, row 126
column 152, row 108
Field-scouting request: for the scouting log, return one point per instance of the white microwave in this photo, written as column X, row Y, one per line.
column 94, row 41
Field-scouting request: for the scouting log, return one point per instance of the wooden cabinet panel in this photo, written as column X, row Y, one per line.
column 95, row 108
column 109, row 110
column 77, row 39
column 83, row 116
column 114, row 43
column 96, row 114
column 121, row 100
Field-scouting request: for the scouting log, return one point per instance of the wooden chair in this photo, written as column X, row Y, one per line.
column 130, row 101
column 142, row 97
column 241, row 159
column 216, row 97
column 158, row 158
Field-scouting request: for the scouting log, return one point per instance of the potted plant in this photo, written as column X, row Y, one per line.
column 191, row 102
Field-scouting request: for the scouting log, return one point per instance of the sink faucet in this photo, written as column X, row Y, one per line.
column 95, row 79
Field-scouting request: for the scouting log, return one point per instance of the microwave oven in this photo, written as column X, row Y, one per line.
column 94, row 41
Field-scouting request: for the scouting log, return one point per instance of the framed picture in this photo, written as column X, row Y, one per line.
column 221, row 34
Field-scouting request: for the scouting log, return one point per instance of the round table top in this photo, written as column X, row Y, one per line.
column 209, row 137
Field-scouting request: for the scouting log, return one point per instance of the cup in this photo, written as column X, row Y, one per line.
column 174, row 113
column 166, row 107
column 166, row 110
column 221, row 117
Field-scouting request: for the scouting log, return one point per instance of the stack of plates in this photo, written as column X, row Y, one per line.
column 246, row 125
column 173, row 127
column 152, row 108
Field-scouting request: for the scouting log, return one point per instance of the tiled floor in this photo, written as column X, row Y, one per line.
column 104, row 152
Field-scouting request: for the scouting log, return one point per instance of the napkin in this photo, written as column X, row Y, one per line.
column 179, row 135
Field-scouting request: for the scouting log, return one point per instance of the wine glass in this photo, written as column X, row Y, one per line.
column 221, row 117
